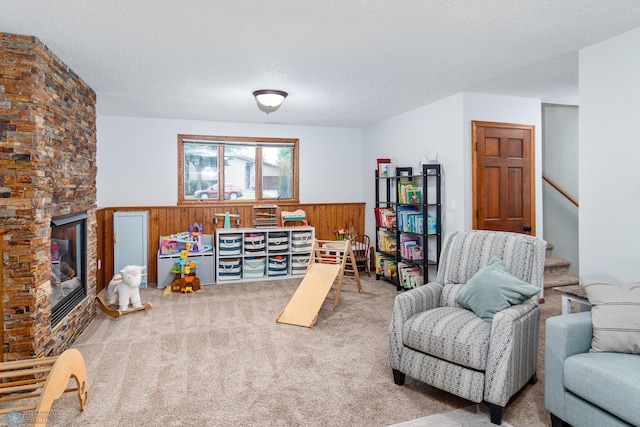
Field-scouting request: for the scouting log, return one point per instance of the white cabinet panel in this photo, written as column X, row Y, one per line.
column 130, row 240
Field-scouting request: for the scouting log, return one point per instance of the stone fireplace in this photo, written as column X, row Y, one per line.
column 47, row 200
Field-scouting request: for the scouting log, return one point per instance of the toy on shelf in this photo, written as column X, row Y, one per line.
column 294, row 217
column 126, row 286
column 227, row 219
column 266, row 216
column 185, row 280
column 195, row 232
column 176, row 243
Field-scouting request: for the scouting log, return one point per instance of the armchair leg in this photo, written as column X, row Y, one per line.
column 534, row 378
column 496, row 413
column 398, row 377
column 557, row 422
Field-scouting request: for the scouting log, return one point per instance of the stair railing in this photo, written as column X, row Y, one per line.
column 560, row 190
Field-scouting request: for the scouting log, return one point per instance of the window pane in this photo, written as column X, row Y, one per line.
column 239, row 172
column 277, row 172
column 201, row 171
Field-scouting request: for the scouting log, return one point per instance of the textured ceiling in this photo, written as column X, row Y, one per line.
column 344, row 62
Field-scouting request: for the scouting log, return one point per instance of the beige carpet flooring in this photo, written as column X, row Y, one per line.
column 218, row 358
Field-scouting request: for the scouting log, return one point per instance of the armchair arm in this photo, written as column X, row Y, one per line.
column 565, row 336
column 513, row 351
column 406, row 305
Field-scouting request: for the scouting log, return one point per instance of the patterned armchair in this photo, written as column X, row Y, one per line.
column 434, row 339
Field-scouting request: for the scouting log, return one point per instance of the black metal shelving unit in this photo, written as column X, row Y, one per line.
column 389, row 200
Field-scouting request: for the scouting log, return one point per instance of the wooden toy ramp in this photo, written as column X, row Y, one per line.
column 329, row 262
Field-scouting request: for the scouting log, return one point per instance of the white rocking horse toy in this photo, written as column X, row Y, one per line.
column 125, row 286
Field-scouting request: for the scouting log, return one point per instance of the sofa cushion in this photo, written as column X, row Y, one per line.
column 610, row 381
column 492, row 289
column 450, row 333
column 615, row 314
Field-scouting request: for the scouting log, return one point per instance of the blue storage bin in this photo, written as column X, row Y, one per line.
column 278, row 267
column 229, row 269
column 254, row 243
column 254, row 267
column 230, row 244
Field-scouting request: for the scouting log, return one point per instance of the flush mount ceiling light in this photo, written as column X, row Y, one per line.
column 269, row 100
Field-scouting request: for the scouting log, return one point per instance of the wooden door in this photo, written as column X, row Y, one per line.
column 130, row 240
column 503, row 177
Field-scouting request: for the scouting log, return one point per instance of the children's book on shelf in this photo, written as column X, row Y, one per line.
column 410, row 275
column 383, row 161
column 386, row 170
column 414, row 196
column 409, row 193
column 387, row 241
column 386, row 265
column 431, row 225
column 385, row 217
column 409, row 219
column 411, row 248
column 390, row 268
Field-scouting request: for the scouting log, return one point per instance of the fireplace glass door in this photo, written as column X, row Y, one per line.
column 68, row 264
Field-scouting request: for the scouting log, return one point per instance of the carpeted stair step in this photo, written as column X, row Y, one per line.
column 550, row 247
column 556, row 271
column 563, row 280
column 556, row 266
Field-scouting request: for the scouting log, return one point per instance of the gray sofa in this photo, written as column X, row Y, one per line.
column 586, row 389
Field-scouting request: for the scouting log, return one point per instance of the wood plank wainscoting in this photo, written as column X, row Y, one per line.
column 164, row 220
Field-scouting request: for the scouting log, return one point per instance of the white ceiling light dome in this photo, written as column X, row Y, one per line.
column 269, row 100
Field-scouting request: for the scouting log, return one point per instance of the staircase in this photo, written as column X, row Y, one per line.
column 556, row 271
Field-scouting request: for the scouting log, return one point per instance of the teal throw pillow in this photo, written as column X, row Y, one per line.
column 492, row 289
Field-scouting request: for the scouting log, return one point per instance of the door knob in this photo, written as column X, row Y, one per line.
column 526, row 229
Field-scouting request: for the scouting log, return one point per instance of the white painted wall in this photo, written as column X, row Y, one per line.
column 404, row 139
column 138, row 165
column 560, row 164
column 445, row 127
column 609, row 156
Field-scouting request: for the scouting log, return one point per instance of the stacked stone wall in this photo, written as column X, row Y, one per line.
column 48, row 163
